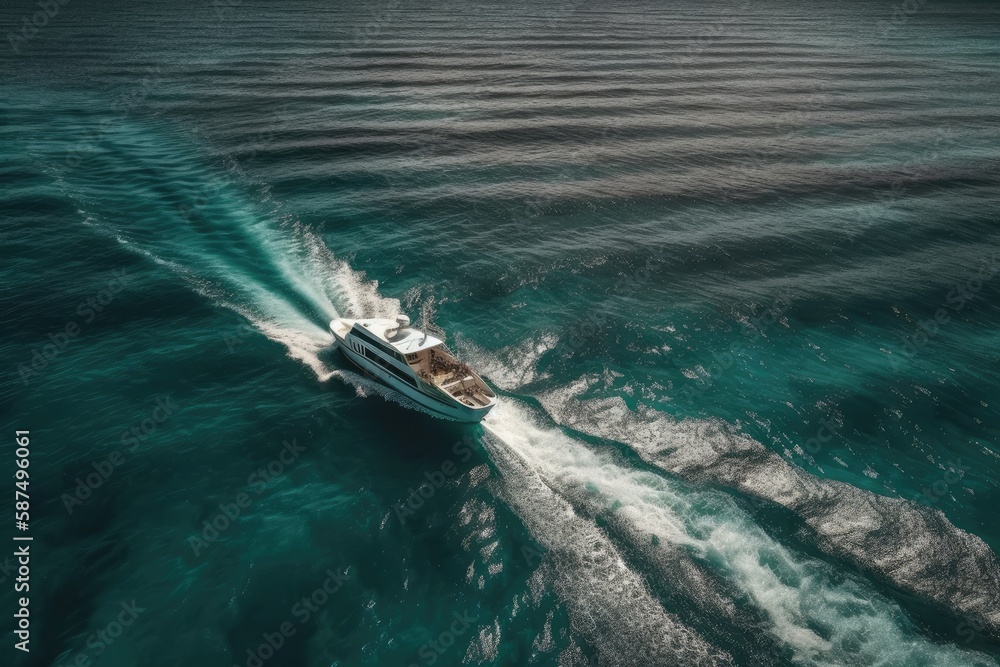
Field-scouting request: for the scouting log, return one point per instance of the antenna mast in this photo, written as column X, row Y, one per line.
column 423, row 313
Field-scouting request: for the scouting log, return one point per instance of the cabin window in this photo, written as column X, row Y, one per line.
column 412, row 358
column 371, row 354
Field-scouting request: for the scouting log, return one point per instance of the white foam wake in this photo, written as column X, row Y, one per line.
column 911, row 545
column 609, row 604
column 822, row 617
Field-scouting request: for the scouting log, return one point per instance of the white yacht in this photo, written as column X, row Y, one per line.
column 416, row 365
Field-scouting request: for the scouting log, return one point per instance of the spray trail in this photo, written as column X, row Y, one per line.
column 283, row 279
column 236, row 249
column 811, row 610
column 908, row 544
column 609, row 604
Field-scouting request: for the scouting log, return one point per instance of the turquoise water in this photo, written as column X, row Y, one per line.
column 733, row 269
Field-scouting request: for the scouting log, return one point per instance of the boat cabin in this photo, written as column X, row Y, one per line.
column 408, row 354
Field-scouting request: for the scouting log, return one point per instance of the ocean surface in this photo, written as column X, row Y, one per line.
column 733, row 268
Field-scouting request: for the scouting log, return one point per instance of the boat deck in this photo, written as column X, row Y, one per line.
column 429, row 359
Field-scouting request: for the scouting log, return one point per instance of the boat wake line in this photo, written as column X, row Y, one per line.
column 704, row 547
column 604, row 522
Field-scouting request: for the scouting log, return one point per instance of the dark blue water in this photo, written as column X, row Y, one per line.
column 733, row 268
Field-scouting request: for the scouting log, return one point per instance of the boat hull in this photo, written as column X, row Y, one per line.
column 450, row 410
